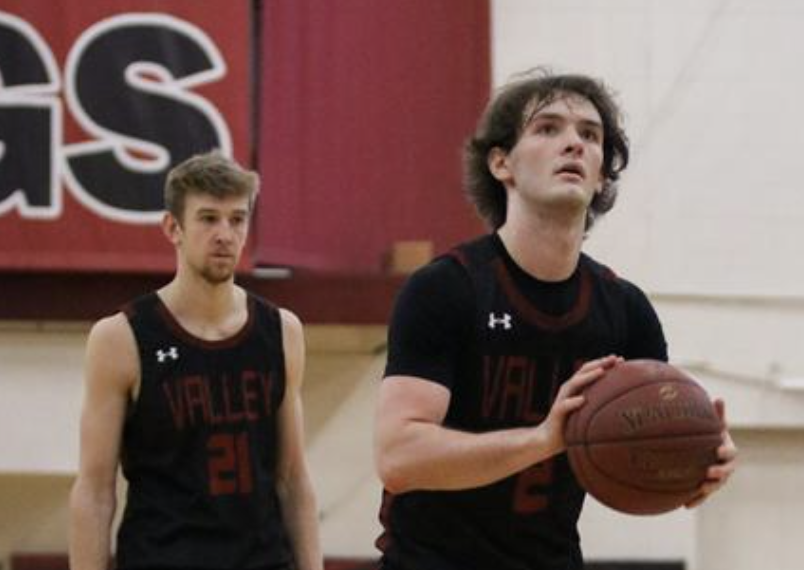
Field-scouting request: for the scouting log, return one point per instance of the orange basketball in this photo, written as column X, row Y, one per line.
column 644, row 438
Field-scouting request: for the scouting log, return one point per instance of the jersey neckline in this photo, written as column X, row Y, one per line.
column 505, row 267
column 514, row 267
column 189, row 338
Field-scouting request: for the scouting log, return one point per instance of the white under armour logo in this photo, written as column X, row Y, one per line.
column 172, row 353
column 505, row 321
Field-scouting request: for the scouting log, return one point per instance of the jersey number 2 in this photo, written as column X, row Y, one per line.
column 229, row 464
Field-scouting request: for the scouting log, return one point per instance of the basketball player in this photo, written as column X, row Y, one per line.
column 194, row 390
column 490, row 344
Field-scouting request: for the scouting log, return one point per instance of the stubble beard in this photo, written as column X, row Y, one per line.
column 216, row 275
column 216, row 278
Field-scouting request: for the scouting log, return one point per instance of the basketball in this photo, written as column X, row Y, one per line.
column 644, row 438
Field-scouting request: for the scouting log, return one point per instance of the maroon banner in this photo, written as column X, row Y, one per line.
column 365, row 106
column 98, row 100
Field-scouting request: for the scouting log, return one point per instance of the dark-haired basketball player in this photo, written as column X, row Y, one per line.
column 194, row 390
column 490, row 345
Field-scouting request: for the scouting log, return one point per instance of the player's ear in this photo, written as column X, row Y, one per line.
column 171, row 227
column 497, row 161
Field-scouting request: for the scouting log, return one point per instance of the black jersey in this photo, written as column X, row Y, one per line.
column 503, row 342
column 200, row 445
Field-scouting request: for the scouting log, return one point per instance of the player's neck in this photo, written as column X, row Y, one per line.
column 200, row 303
column 546, row 248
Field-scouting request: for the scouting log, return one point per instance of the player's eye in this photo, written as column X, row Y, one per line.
column 591, row 135
column 546, row 129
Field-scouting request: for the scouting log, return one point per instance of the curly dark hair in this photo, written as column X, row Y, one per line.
column 504, row 120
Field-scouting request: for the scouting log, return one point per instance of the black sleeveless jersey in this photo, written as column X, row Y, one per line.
column 511, row 342
column 199, row 445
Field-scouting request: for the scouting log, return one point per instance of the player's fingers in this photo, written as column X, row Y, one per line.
column 569, row 404
column 595, row 367
column 720, row 472
column 700, row 498
column 580, row 380
column 604, row 362
column 710, row 487
column 706, row 489
column 586, row 374
column 720, row 409
column 727, row 452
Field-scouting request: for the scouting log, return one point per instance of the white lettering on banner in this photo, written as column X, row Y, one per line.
column 128, row 84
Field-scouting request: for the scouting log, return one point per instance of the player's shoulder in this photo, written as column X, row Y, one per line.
column 293, row 345
column 600, row 270
column 292, row 327
column 112, row 330
column 604, row 272
column 111, row 349
column 444, row 275
column 613, row 280
column 439, row 290
column 255, row 299
column 269, row 312
column 478, row 252
column 453, row 266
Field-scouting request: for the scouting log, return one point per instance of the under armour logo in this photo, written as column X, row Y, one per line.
column 505, row 321
column 172, row 353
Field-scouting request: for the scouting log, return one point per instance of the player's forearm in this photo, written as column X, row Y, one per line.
column 91, row 515
column 426, row 456
column 300, row 515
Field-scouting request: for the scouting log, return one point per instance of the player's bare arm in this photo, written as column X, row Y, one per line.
column 413, row 450
column 111, row 372
column 294, row 487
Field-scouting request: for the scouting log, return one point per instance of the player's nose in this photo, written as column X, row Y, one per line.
column 225, row 231
column 573, row 143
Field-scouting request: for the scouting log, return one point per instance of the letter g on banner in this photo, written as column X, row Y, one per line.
column 30, row 122
column 128, row 82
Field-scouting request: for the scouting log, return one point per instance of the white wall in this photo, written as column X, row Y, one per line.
column 757, row 522
column 40, row 383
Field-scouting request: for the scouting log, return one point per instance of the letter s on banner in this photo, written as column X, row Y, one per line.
column 127, row 83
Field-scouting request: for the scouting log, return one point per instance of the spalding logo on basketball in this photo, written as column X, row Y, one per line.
column 644, row 439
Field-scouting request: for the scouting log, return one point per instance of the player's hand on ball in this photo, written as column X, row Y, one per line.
column 569, row 398
column 718, row 474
